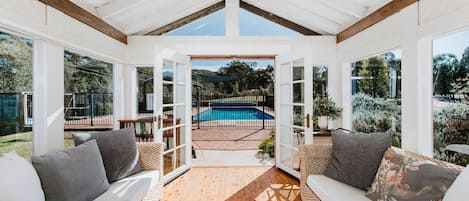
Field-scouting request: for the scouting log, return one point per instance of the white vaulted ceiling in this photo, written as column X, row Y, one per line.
column 137, row 17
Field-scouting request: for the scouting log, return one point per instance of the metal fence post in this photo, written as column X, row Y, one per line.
column 263, row 111
column 91, row 108
column 198, row 107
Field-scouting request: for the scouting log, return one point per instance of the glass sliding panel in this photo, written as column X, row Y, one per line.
column 451, row 98
column 16, row 87
column 145, row 93
column 376, row 95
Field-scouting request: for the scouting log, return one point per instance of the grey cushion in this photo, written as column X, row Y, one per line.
column 356, row 157
column 75, row 174
column 118, row 150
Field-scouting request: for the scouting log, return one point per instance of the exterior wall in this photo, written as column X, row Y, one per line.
column 411, row 30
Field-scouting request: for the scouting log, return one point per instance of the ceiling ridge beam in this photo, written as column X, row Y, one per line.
column 187, row 19
column 74, row 11
column 375, row 17
column 276, row 19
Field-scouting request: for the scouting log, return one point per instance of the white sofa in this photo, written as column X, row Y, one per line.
column 20, row 182
column 315, row 186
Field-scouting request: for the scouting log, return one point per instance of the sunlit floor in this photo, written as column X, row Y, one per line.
column 233, row 183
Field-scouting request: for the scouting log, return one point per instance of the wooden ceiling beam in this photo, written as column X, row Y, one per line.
column 379, row 15
column 188, row 19
column 82, row 15
column 277, row 19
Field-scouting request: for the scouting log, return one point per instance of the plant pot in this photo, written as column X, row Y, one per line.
column 322, row 122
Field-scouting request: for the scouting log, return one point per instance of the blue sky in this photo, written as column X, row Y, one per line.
column 454, row 43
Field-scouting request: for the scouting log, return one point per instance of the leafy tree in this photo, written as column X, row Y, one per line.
column 16, row 70
column 444, row 67
column 374, row 77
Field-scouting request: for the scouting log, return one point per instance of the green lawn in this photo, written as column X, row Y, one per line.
column 22, row 143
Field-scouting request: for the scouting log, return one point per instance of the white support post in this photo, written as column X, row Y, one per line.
column 232, row 17
column 118, row 94
column 347, row 96
column 48, row 97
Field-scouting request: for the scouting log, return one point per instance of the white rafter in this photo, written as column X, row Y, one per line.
column 348, row 7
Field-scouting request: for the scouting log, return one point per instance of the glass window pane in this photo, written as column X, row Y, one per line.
column 253, row 25
column 451, row 98
column 298, row 116
column 181, row 157
column 168, row 162
column 16, row 84
column 376, row 94
column 298, row 73
column 168, row 93
column 88, row 95
column 145, row 91
column 210, row 25
column 168, row 71
column 298, row 93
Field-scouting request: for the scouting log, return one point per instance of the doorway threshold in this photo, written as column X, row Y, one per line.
column 219, row 158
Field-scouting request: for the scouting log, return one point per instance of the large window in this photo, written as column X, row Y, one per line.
column 210, row 25
column 320, row 87
column 376, row 95
column 16, row 82
column 451, row 97
column 88, row 94
column 253, row 25
column 145, row 91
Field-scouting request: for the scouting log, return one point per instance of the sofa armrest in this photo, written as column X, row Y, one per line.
column 314, row 160
column 151, row 155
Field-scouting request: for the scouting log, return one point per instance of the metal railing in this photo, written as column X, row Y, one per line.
column 250, row 111
column 88, row 110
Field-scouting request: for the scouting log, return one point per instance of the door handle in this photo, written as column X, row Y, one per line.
column 307, row 120
column 159, row 121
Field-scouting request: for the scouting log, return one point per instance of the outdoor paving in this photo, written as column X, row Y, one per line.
column 228, row 139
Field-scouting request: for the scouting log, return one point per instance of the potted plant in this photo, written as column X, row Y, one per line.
column 267, row 146
column 325, row 108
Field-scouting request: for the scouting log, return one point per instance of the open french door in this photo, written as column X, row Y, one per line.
column 173, row 111
column 294, row 107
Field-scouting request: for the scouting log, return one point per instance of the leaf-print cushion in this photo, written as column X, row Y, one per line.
column 401, row 178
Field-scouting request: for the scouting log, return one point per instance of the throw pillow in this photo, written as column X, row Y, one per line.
column 356, row 157
column 402, row 178
column 119, row 151
column 458, row 189
column 19, row 180
column 75, row 174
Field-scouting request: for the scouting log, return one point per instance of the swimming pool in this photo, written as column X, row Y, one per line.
column 232, row 114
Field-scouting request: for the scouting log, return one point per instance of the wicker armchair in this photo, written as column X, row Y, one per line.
column 151, row 158
column 315, row 158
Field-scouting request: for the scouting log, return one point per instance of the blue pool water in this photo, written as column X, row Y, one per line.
column 232, row 114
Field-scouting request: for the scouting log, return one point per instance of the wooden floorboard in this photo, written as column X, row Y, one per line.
column 233, row 184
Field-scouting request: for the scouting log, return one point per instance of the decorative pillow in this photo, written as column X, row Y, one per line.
column 356, row 157
column 402, row 178
column 19, row 181
column 75, row 174
column 458, row 189
column 119, row 151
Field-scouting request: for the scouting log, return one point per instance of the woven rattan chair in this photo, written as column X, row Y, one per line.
column 315, row 158
column 151, row 154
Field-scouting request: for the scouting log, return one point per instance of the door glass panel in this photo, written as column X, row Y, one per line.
column 167, row 93
column 168, row 71
column 180, row 113
column 286, row 73
column 168, row 162
column 180, row 135
column 180, row 72
column 168, row 114
column 298, row 93
column 168, row 138
column 180, row 93
column 298, row 73
column 285, row 137
column 180, row 157
column 298, row 116
column 286, row 157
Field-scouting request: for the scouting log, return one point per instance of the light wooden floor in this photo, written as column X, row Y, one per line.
column 233, row 184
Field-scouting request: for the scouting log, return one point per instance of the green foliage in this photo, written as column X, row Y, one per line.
column 268, row 145
column 375, row 78
column 444, row 67
column 324, row 106
column 377, row 115
column 16, row 71
column 320, row 81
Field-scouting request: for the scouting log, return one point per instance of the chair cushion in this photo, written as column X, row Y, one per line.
column 458, row 189
column 118, row 150
column 400, row 177
column 132, row 188
column 75, row 174
column 328, row 189
column 356, row 157
column 19, row 181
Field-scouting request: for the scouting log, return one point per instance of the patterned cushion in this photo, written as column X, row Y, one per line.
column 400, row 177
